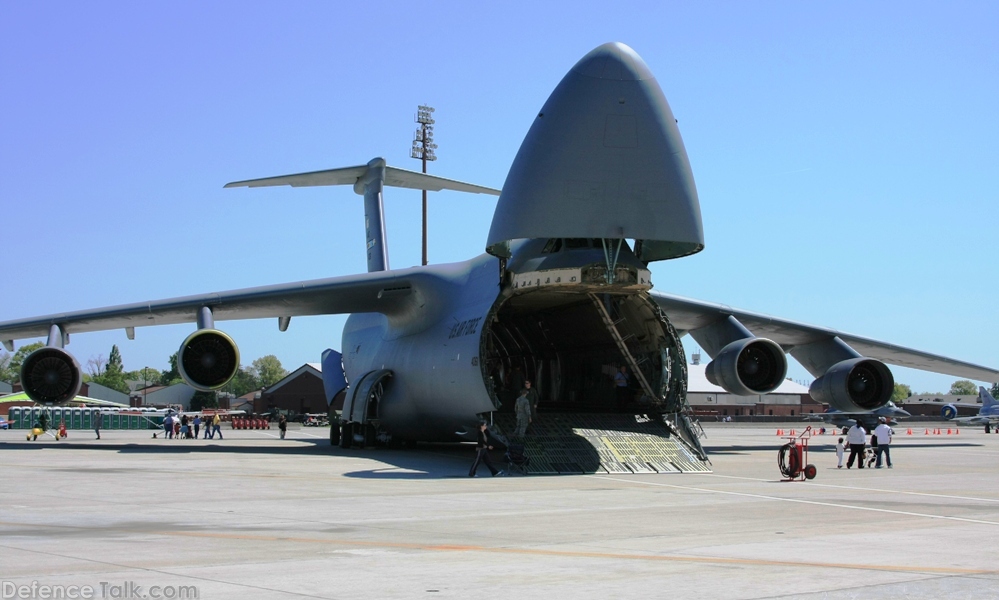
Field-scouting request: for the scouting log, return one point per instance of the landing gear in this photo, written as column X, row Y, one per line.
column 346, row 435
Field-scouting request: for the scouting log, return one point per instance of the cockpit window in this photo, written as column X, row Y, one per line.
column 553, row 245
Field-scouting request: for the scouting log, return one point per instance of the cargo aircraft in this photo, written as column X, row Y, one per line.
column 600, row 188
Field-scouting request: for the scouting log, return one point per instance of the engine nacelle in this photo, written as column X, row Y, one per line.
column 208, row 359
column 948, row 412
column 51, row 376
column 748, row 367
column 853, row 385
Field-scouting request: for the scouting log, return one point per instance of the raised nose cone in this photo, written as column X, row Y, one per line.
column 603, row 159
column 614, row 61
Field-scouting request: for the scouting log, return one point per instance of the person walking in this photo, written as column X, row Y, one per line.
column 857, row 438
column 523, row 410
column 533, row 398
column 197, row 425
column 621, row 382
column 217, row 427
column 168, row 427
column 283, row 425
column 883, row 433
column 483, row 444
column 840, row 449
column 97, row 423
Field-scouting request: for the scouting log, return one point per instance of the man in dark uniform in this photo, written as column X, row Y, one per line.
column 533, row 398
column 484, row 443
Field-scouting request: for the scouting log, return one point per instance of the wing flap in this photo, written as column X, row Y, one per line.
column 688, row 314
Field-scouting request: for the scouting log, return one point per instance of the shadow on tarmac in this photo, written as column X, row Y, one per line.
column 426, row 461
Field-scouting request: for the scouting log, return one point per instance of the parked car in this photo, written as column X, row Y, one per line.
column 4, row 424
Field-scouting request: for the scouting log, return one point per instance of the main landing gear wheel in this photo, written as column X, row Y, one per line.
column 345, row 435
column 334, row 434
column 810, row 471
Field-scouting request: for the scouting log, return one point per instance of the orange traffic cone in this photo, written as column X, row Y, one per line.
column 792, row 432
column 927, row 432
column 908, row 431
column 780, row 432
column 948, row 432
column 957, row 432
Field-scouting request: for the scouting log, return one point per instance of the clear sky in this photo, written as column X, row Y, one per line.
column 846, row 154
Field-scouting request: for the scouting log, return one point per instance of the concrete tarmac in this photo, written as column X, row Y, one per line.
column 252, row 516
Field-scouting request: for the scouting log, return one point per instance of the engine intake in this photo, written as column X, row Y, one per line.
column 748, row 367
column 208, row 359
column 853, row 385
column 51, row 376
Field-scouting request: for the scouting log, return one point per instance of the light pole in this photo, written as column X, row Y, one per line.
column 423, row 149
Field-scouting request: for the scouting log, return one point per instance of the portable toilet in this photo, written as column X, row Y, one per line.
column 14, row 416
column 77, row 419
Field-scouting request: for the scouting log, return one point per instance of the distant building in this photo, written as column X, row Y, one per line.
column 102, row 392
column 300, row 392
column 6, row 388
column 930, row 405
column 158, row 395
column 708, row 400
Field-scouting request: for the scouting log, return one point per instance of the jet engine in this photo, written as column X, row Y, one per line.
column 208, row 359
column 748, row 367
column 948, row 412
column 51, row 376
column 854, row 385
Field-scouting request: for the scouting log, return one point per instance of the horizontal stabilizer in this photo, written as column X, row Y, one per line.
column 394, row 177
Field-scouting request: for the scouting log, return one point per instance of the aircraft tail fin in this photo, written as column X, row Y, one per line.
column 986, row 397
column 368, row 181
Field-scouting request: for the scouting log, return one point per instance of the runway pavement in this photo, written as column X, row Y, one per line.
column 253, row 516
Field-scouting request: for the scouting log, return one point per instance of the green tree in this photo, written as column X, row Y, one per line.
column 963, row 387
column 268, row 370
column 147, row 374
column 6, row 374
column 243, row 382
column 171, row 375
column 995, row 390
column 18, row 359
column 902, row 391
column 111, row 375
column 203, row 400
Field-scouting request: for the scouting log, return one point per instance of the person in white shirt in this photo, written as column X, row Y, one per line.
column 840, row 448
column 883, row 433
column 857, row 438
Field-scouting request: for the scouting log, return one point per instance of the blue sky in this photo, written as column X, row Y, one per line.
column 845, row 154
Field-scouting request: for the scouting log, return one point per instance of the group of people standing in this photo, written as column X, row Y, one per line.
column 856, row 439
column 183, row 426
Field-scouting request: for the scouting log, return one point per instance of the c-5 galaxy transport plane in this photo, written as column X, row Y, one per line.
column 600, row 188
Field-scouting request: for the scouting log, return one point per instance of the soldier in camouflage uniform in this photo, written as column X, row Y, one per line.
column 523, row 410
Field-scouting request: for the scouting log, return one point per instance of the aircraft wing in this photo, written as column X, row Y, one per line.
column 974, row 420
column 688, row 314
column 385, row 292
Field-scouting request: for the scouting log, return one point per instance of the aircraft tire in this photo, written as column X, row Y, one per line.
column 334, row 435
column 345, row 435
column 810, row 471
